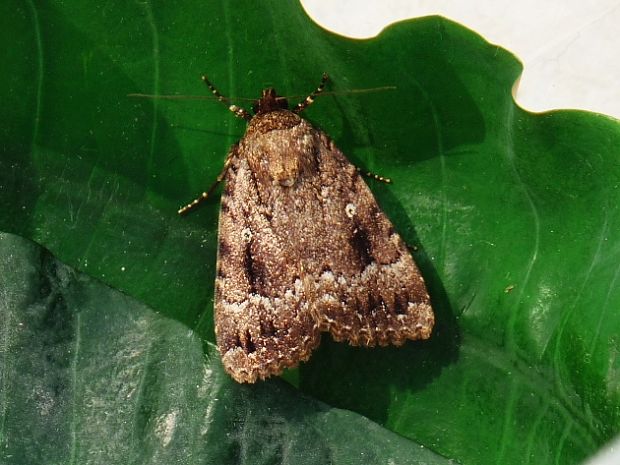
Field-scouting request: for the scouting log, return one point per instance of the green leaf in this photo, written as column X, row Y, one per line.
column 513, row 214
column 89, row 375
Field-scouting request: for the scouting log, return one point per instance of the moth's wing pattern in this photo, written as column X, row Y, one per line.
column 304, row 248
column 263, row 321
column 367, row 288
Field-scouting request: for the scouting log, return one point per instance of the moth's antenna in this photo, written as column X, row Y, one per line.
column 367, row 90
column 238, row 111
column 310, row 98
column 189, row 97
column 235, row 109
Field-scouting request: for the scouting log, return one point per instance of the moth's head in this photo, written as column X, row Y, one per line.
column 269, row 101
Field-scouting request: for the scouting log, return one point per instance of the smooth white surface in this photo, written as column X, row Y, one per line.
column 570, row 49
column 609, row 455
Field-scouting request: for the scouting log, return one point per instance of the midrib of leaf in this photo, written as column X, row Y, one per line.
column 39, row 77
column 155, row 90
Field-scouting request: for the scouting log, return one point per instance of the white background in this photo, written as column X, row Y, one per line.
column 570, row 48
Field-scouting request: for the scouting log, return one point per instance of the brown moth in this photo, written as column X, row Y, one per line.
column 303, row 249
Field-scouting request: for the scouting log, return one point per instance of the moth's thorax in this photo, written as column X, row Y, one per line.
column 280, row 148
column 269, row 121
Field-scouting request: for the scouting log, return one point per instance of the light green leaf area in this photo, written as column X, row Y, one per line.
column 513, row 216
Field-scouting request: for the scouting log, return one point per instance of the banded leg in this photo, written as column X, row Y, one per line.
column 205, row 195
column 374, row 176
column 310, row 98
column 238, row 111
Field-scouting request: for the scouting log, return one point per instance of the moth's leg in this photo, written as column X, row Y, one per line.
column 238, row 111
column 310, row 98
column 205, row 195
column 374, row 176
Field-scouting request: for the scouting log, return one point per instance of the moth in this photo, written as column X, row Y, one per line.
column 304, row 248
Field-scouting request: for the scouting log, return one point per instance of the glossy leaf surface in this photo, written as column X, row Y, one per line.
column 513, row 215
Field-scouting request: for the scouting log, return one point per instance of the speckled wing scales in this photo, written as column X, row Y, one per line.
column 304, row 248
column 262, row 319
column 368, row 290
